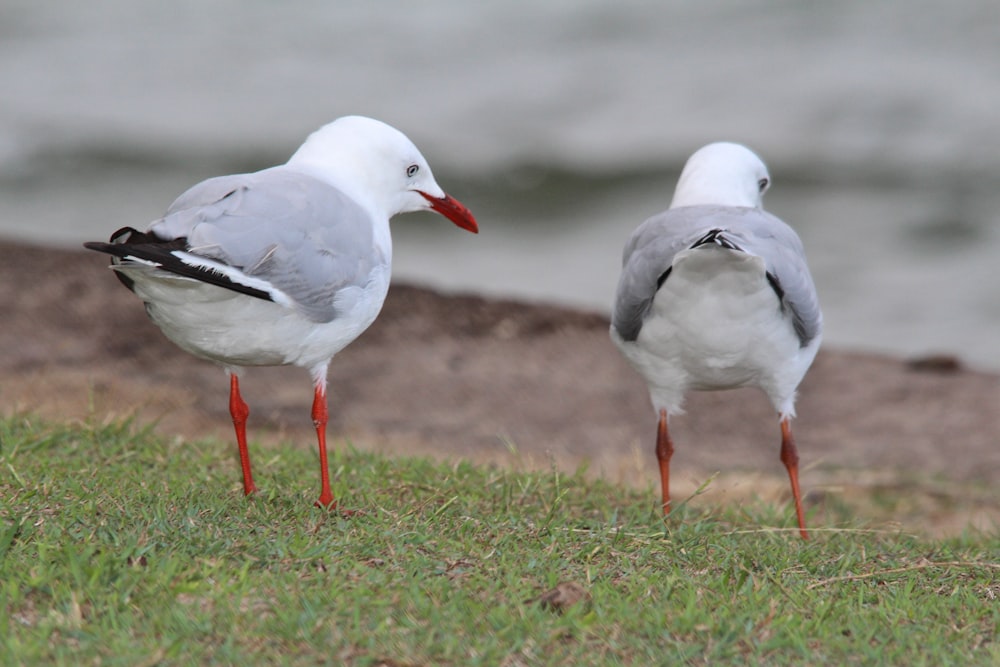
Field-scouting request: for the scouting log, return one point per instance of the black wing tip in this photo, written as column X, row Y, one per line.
column 99, row 246
column 128, row 242
column 798, row 324
column 630, row 335
column 663, row 278
column 113, row 246
column 776, row 286
column 717, row 237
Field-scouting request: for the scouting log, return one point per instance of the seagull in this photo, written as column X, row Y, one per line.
column 715, row 294
column 283, row 266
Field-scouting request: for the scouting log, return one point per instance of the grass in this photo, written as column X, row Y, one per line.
column 119, row 547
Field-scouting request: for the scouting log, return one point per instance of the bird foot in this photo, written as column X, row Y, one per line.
column 331, row 506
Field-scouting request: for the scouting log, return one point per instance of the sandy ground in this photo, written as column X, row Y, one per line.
column 514, row 384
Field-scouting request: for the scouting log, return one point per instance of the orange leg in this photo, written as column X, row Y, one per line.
column 320, row 417
column 790, row 457
column 240, row 411
column 664, row 450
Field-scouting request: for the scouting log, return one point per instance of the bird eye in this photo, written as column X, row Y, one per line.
column 762, row 185
column 412, row 170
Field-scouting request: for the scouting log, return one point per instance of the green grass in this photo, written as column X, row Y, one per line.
column 118, row 547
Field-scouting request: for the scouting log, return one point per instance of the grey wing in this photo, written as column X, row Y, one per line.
column 299, row 235
column 646, row 261
column 781, row 249
column 650, row 252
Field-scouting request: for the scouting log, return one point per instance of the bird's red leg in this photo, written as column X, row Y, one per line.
column 240, row 411
column 790, row 457
column 664, row 450
column 320, row 416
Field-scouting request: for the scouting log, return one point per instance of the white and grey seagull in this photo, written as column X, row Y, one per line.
column 715, row 294
column 286, row 265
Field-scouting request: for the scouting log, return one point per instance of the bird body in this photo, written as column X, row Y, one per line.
column 313, row 251
column 715, row 320
column 715, row 294
column 286, row 265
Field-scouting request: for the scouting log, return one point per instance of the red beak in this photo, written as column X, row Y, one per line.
column 454, row 210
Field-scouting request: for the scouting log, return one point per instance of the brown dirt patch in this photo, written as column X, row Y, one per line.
column 505, row 382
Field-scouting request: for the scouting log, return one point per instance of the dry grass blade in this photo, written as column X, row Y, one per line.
column 900, row 570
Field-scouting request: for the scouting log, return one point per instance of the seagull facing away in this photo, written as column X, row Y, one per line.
column 286, row 265
column 715, row 294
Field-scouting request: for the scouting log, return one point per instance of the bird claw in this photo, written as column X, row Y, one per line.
column 332, row 507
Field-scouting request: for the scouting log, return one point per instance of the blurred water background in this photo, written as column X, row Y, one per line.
column 562, row 124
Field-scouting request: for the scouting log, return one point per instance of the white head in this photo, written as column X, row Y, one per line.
column 378, row 166
column 722, row 174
